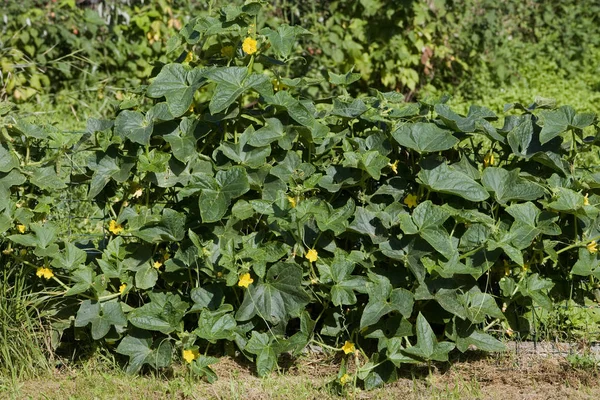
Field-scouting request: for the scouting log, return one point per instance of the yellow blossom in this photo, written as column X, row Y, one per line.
column 227, row 51
column 249, row 45
column 586, row 201
column 166, row 255
column 122, row 288
column 292, row 201
column 7, row 251
column 21, row 228
column 510, row 332
column 115, row 228
column 314, row 281
column 592, row 247
column 348, row 347
column 411, row 200
column 245, row 280
column 394, row 166
column 157, row 264
column 189, row 57
column 44, row 272
column 489, row 159
column 345, row 379
column 312, row 255
column 190, row 355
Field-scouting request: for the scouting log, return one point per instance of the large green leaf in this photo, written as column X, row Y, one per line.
column 141, row 350
column 217, row 193
column 558, row 121
column 170, row 227
column 164, row 313
column 440, row 177
column 135, row 126
column 101, row 315
column 508, row 185
column 178, row 85
column 424, row 137
column 427, row 346
column 278, row 298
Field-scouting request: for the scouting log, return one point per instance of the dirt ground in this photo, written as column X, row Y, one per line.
column 524, row 373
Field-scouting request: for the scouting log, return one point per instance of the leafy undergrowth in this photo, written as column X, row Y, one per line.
column 470, row 377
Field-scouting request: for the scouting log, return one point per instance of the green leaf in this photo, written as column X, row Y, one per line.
column 164, row 313
column 558, row 121
column 177, row 85
column 231, row 83
column 271, row 132
column 343, row 79
column 216, row 325
column 383, row 300
column 508, row 185
column 217, row 193
column 445, row 179
column 170, row 228
column 266, row 355
column 283, row 39
column 141, row 350
column 424, row 137
column 133, row 125
column 335, row 220
column 427, row 346
column 101, row 315
column 278, row 298
column 8, row 160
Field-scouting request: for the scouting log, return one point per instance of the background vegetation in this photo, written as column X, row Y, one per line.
column 102, row 231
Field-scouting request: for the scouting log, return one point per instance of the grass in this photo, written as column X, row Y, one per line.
column 22, row 337
column 472, row 377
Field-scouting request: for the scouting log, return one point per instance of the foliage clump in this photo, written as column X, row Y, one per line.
column 241, row 214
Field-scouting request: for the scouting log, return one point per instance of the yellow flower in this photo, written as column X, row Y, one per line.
column 7, row 251
column 394, row 166
column 411, row 200
column 190, row 355
column 312, row 255
column 227, row 51
column 245, row 280
column 249, row 45
column 314, row 281
column 44, row 272
column 166, row 255
column 510, row 332
column 586, row 201
column 115, row 228
column 157, row 264
column 488, row 159
column 345, row 379
column 292, row 201
column 348, row 347
column 189, row 57
column 21, row 228
column 592, row 247
column 122, row 288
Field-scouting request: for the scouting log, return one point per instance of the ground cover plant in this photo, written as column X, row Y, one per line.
column 245, row 212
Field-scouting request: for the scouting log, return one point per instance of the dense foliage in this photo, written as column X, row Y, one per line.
column 247, row 210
